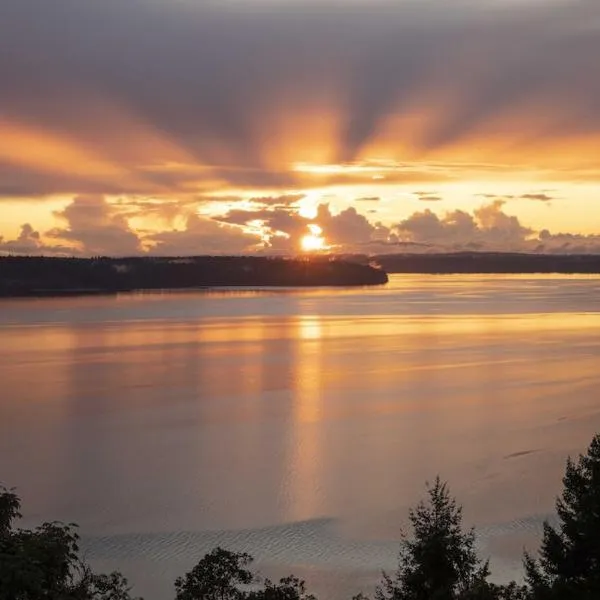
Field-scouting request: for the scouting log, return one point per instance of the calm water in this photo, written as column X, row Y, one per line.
column 297, row 425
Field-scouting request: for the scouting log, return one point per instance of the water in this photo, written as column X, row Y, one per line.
column 298, row 425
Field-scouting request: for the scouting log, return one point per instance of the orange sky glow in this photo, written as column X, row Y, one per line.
column 410, row 130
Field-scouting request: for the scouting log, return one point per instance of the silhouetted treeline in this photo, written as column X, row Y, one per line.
column 437, row 562
column 26, row 276
column 488, row 262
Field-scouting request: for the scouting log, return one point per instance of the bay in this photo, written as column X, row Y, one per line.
column 297, row 425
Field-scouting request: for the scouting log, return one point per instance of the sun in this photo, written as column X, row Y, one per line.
column 313, row 241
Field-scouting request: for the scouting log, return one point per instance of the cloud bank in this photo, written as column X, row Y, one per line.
column 93, row 227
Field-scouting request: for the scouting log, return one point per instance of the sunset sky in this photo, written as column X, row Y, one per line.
column 233, row 126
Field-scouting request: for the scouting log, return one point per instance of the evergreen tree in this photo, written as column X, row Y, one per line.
column 439, row 562
column 569, row 561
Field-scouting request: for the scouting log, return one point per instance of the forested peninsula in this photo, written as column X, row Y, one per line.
column 45, row 276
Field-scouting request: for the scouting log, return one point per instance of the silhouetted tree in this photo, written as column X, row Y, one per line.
column 224, row 575
column 218, row 576
column 484, row 590
column 288, row 588
column 439, row 562
column 569, row 561
column 10, row 507
column 43, row 563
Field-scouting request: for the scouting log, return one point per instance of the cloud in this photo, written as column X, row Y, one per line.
column 149, row 97
column 488, row 228
column 203, row 236
column 542, row 197
column 428, row 196
column 95, row 227
column 27, row 242
column 346, row 228
column 568, row 243
column 92, row 226
column 285, row 227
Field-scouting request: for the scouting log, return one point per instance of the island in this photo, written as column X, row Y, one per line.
column 22, row 276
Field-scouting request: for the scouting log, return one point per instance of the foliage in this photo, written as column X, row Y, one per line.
column 10, row 507
column 491, row 591
column 216, row 577
column 440, row 562
column 569, row 561
column 288, row 588
column 223, row 575
column 43, row 563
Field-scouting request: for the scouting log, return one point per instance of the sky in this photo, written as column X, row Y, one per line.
column 179, row 127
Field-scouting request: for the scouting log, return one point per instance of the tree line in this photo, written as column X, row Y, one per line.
column 437, row 562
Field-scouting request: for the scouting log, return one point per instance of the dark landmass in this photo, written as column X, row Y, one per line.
column 480, row 262
column 46, row 276
column 41, row 276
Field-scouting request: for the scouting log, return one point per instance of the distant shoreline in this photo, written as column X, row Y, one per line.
column 490, row 263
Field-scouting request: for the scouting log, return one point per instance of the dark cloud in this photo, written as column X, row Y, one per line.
column 369, row 199
column 181, row 95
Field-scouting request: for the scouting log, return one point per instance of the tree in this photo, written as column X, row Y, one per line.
column 216, row 577
column 43, row 563
column 569, row 558
column 222, row 575
column 440, row 562
column 491, row 591
column 288, row 588
column 10, row 505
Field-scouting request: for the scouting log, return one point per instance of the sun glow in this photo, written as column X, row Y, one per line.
column 313, row 241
